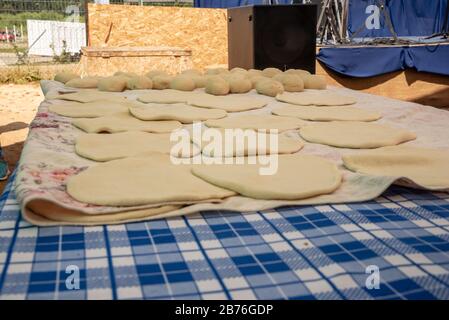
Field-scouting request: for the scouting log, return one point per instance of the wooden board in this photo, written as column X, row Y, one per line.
column 408, row 85
column 104, row 61
column 201, row 30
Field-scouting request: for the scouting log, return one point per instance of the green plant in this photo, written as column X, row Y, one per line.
column 21, row 54
column 65, row 56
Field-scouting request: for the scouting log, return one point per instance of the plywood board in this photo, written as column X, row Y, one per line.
column 104, row 61
column 202, row 30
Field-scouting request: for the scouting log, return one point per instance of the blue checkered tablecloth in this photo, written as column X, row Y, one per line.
column 309, row 252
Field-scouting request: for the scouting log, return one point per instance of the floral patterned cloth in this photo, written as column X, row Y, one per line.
column 49, row 159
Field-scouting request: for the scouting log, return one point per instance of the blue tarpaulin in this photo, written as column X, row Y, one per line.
column 371, row 61
column 233, row 3
column 408, row 17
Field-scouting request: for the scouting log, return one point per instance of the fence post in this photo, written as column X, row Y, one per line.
column 86, row 21
column 7, row 35
column 15, row 33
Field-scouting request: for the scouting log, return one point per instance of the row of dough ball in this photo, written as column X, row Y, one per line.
column 219, row 81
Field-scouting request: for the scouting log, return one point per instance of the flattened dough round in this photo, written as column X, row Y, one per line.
column 357, row 135
column 141, row 181
column 297, row 177
column 228, row 103
column 62, row 215
column 313, row 113
column 177, row 111
column 320, row 98
column 106, row 147
column 428, row 168
column 261, row 146
column 88, row 110
column 90, row 96
column 256, row 122
column 124, row 121
column 166, row 96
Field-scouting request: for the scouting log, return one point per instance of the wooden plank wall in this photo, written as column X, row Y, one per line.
column 204, row 31
column 409, row 85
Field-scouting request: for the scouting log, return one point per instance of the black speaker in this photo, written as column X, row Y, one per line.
column 280, row 36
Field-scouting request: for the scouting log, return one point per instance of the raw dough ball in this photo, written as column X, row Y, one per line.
column 236, row 75
column 217, row 86
column 112, row 84
column 155, row 73
column 315, row 82
column 182, row 83
column 200, row 81
column 162, row 82
column 237, row 69
column 65, row 76
column 254, row 72
column 270, row 72
column 240, row 85
column 216, row 71
column 239, row 72
column 83, row 83
column 254, row 80
column 125, row 74
column 269, row 87
column 139, row 82
column 291, row 82
column 192, row 72
column 298, row 72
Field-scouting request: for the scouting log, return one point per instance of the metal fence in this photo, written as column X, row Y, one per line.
column 14, row 15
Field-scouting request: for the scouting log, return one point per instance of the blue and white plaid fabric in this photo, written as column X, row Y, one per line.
column 311, row 252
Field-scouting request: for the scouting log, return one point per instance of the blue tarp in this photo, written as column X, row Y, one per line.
column 409, row 17
column 372, row 61
column 232, row 3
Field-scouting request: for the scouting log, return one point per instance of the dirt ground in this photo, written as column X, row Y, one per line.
column 18, row 106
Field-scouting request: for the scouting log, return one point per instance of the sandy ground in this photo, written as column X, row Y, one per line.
column 18, row 106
